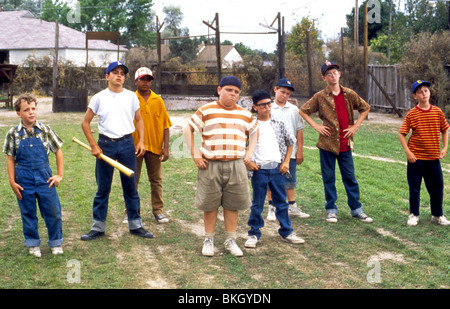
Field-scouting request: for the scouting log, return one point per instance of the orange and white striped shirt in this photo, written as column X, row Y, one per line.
column 426, row 126
column 224, row 131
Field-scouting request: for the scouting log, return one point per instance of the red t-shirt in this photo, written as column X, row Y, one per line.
column 342, row 115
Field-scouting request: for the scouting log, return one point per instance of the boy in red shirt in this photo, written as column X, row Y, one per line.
column 423, row 152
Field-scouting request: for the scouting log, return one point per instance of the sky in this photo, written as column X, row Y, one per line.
column 247, row 15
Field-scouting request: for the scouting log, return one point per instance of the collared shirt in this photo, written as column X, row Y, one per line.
column 293, row 121
column 49, row 138
column 284, row 137
column 323, row 103
column 156, row 120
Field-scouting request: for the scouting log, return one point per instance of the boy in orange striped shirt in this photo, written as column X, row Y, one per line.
column 423, row 152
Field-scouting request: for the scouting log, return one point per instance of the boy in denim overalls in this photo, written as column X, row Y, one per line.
column 27, row 147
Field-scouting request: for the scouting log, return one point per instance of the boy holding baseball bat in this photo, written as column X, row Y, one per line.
column 27, row 147
column 116, row 109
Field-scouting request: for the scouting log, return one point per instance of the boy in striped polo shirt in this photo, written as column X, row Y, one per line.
column 222, row 176
column 423, row 151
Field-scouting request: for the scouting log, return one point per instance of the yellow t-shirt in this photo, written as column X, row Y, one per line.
column 156, row 120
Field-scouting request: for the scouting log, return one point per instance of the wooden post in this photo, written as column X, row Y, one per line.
column 366, row 53
column 158, row 45
column 55, row 69
column 308, row 59
column 343, row 55
column 218, row 51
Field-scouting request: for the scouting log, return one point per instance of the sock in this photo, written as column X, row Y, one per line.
column 209, row 235
column 230, row 235
column 291, row 202
column 270, row 202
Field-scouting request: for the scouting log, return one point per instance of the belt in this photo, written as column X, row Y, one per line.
column 114, row 139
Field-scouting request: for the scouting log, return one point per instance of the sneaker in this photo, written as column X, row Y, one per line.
column 413, row 220
column 92, row 235
column 271, row 213
column 161, row 218
column 363, row 218
column 251, row 242
column 439, row 220
column 295, row 211
column 57, row 250
column 293, row 239
column 331, row 217
column 208, row 247
column 141, row 232
column 36, row 251
column 232, row 247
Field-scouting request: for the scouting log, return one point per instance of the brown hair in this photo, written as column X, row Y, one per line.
column 24, row 97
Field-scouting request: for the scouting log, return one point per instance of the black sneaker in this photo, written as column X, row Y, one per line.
column 92, row 235
column 141, row 233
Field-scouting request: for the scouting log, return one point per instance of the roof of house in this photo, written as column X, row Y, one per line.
column 208, row 53
column 22, row 30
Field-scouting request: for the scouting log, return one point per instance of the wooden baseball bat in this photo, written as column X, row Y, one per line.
column 122, row 168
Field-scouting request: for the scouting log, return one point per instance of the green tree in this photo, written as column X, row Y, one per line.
column 296, row 38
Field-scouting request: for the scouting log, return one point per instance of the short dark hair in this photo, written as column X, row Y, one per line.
column 24, row 97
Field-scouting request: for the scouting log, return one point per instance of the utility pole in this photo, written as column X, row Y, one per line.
column 216, row 28
column 158, row 46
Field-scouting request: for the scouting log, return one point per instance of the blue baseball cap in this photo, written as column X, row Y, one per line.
column 114, row 65
column 419, row 83
column 284, row 82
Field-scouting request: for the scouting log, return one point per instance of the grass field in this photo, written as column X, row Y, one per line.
column 386, row 254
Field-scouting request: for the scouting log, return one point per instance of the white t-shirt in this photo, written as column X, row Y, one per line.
column 115, row 111
column 291, row 118
column 267, row 149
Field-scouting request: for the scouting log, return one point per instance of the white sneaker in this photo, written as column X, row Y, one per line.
column 36, row 251
column 439, row 220
column 295, row 211
column 251, row 242
column 271, row 213
column 293, row 239
column 331, row 217
column 232, row 247
column 413, row 220
column 208, row 247
column 57, row 250
column 363, row 218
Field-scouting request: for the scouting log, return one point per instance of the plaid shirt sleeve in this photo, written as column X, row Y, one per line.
column 9, row 147
column 52, row 142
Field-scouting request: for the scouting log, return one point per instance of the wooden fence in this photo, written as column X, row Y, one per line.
column 385, row 81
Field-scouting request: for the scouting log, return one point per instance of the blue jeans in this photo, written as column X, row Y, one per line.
column 123, row 151
column 431, row 173
column 262, row 179
column 328, row 169
column 291, row 183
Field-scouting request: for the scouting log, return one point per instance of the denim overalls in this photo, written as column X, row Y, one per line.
column 32, row 171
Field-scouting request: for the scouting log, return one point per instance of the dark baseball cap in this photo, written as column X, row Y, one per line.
column 284, row 82
column 328, row 65
column 116, row 64
column 230, row 81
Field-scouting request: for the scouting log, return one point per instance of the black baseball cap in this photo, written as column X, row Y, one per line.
column 328, row 65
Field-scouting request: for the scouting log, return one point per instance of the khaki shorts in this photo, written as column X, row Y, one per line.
column 223, row 183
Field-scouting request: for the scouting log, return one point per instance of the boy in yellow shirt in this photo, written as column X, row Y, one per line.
column 156, row 138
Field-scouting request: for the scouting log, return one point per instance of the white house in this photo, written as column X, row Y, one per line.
column 22, row 35
column 229, row 54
